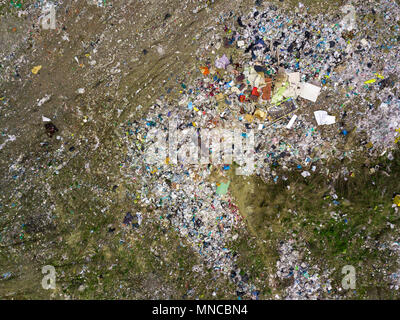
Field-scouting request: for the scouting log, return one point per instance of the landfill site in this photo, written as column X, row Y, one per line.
column 200, row 150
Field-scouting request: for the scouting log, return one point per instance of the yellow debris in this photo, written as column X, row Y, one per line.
column 248, row 117
column 36, row 69
column 396, row 200
column 219, row 97
column 398, row 138
column 260, row 114
column 370, row 81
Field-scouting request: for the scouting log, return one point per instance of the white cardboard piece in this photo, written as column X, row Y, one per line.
column 309, row 91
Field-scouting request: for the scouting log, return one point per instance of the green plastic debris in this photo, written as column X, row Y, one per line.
column 223, row 188
column 278, row 96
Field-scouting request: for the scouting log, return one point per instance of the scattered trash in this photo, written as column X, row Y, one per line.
column 6, row 275
column 274, row 69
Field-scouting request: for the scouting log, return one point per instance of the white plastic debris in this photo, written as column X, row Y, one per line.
column 81, row 90
column 309, row 91
column 293, row 89
column 364, row 42
column 349, row 20
column 322, row 118
column 254, row 78
column 44, row 100
column 45, row 119
column 291, row 122
column 305, row 174
column 222, row 62
column 139, row 217
column 294, row 78
column 160, row 50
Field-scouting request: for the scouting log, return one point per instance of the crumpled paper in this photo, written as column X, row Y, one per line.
column 323, row 118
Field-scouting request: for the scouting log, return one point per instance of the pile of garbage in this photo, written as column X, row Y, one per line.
column 286, row 66
column 306, row 282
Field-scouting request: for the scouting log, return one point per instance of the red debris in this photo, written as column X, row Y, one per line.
column 255, row 92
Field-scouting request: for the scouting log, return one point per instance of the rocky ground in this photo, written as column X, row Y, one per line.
column 76, row 106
